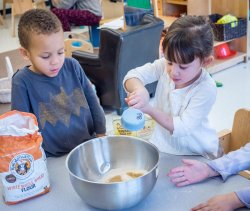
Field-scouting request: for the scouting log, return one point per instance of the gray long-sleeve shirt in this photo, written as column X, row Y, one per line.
column 66, row 106
column 93, row 6
column 232, row 163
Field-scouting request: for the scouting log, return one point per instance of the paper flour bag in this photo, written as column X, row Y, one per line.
column 23, row 169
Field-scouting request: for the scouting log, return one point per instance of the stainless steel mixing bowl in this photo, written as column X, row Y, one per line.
column 89, row 162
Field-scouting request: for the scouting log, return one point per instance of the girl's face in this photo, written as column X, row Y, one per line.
column 184, row 74
column 46, row 53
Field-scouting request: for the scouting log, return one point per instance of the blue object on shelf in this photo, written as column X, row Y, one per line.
column 132, row 119
column 94, row 35
column 133, row 15
column 76, row 44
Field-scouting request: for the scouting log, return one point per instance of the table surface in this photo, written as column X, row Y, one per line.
column 164, row 196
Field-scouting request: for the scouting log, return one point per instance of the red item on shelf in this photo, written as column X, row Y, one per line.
column 223, row 51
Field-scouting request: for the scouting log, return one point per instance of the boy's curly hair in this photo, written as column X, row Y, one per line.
column 37, row 21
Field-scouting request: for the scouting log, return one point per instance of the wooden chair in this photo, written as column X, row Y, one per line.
column 18, row 7
column 1, row 20
column 39, row 4
column 4, row 6
column 239, row 135
column 77, row 44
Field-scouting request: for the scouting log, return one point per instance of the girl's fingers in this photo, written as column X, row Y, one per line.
column 201, row 206
column 177, row 169
column 184, row 183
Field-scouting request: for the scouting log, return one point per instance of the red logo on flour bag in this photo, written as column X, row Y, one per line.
column 23, row 169
column 21, row 166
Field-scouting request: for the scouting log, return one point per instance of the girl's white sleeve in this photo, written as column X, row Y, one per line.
column 196, row 110
column 148, row 73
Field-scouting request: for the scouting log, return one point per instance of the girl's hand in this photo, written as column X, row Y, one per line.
column 192, row 171
column 138, row 98
column 227, row 202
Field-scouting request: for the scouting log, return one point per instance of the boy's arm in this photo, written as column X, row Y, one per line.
column 19, row 95
column 97, row 112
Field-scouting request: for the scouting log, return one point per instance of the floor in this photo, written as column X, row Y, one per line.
column 233, row 95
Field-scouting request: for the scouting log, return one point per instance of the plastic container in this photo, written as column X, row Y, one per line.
column 132, row 119
column 94, row 35
column 223, row 51
column 139, row 3
column 133, row 16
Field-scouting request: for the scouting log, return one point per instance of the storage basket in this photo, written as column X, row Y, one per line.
column 5, row 83
column 228, row 31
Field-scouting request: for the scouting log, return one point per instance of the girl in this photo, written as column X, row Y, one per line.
column 185, row 92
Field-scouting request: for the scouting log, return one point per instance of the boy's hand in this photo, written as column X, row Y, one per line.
column 192, row 171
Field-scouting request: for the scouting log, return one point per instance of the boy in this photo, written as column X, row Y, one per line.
column 53, row 87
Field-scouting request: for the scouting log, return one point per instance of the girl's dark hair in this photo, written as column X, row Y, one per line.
column 38, row 21
column 189, row 37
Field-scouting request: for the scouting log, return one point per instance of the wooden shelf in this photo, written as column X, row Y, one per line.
column 181, row 2
column 239, row 8
column 168, row 20
column 216, row 43
column 221, row 64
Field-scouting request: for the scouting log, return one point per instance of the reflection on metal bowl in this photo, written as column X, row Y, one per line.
column 90, row 163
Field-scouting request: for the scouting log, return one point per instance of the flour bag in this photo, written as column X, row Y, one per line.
column 23, row 169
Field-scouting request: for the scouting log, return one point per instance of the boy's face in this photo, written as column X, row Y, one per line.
column 46, row 53
column 184, row 74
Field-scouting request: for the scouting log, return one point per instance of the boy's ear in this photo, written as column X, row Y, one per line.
column 24, row 52
column 208, row 60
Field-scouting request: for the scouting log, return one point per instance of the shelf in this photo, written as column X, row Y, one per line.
column 221, row 64
column 216, row 43
column 181, row 2
column 240, row 8
column 168, row 20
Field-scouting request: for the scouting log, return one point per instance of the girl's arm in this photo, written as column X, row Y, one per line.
column 162, row 118
column 138, row 97
column 146, row 74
